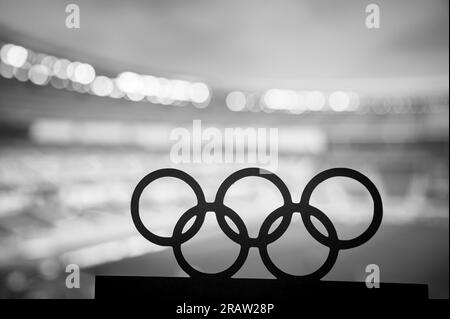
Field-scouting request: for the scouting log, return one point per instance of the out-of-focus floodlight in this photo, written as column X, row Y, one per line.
column 315, row 100
column 40, row 69
column 39, row 74
column 129, row 82
column 71, row 70
column 236, row 101
column 274, row 99
column 150, row 85
column 300, row 103
column 102, row 86
column 199, row 94
column 286, row 100
column 60, row 68
column 116, row 92
column 135, row 96
column 84, row 73
column 354, row 101
column 14, row 55
column 6, row 70
column 339, row 101
column 21, row 74
column 4, row 52
column 180, row 90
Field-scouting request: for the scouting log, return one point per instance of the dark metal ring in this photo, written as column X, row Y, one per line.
column 265, row 237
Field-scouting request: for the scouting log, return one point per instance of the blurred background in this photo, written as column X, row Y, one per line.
column 86, row 113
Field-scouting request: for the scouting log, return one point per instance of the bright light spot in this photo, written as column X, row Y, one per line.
column 116, row 92
column 60, row 68
column 315, row 100
column 252, row 103
column 150, row 85
column 4, row 52
column 273, row 99
column 48, row 62
column 16, row 56
column 21, row 74
column 236, row 101
column 199, row 92
column 354, row 101
column 102, row 86
column 164, row 89
column 36, row 58
column 71, row 70
column 300, row 103
column 280, row 99
column 339, row 101
column 6, row 70
column 179, row 90
column 129, row 82
column 291, row 99
column 38, row 74
column 81, row 77
column 135, row 97
column 84, row 73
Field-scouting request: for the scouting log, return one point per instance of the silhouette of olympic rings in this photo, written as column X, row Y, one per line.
column 265, row 237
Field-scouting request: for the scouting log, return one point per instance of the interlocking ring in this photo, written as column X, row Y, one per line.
column 265, row 237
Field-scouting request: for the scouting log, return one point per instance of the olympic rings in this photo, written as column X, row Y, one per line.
column 265, row 237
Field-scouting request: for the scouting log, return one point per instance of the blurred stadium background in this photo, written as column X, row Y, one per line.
column 86, row 113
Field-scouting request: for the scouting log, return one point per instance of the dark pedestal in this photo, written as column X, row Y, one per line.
column 173, row 289
column 169, row 297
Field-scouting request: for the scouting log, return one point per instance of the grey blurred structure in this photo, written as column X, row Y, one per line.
column 71, row 153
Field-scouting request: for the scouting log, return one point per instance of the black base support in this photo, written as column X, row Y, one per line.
column 176, row 289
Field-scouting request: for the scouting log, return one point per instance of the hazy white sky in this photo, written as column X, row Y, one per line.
column 242, row 41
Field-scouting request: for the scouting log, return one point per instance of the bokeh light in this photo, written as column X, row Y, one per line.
column 84, row 73
column 315, row 100
column 129, row 82
column 102, row 86
column 199, row 93
column 39, row 74
column 236, row 101
column 60, row 68
column 339, row 101
column 16, row 56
